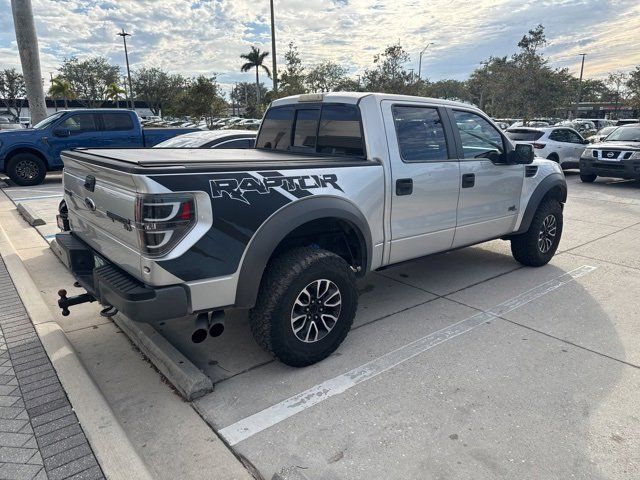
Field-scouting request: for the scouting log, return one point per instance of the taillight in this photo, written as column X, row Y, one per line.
column 539, row 145
column 163, row 220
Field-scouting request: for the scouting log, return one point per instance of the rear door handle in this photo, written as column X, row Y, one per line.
column 404, row 186
column 468, row 180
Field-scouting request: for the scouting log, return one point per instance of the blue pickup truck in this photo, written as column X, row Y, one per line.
column 26, row 155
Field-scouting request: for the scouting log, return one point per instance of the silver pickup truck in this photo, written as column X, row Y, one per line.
column 339, row 185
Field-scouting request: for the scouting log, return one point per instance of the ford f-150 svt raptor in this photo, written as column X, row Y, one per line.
column 338, row 185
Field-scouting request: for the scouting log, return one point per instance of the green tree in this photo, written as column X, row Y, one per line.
column 255, row 59
column 201, row 99
column 244, row 94
column 292, row 77
column 325, row 77
column 633, row 84
column 389, row 74
column 61, row 88
column 12, row 91
column 449, row 89
column 617, row 82
column 159, row 89
column 113, row 92
column 89, row 78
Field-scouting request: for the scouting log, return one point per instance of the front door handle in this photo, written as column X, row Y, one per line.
column 468, row 180
column 404, row 186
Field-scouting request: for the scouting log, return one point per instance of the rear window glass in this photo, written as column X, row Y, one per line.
column 117, row 121
column 340, row 132
column 420, row 134
column 276, row 129
column 524, row 135
column 306, row 128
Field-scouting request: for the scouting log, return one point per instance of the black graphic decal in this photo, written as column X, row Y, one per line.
column 235, row 188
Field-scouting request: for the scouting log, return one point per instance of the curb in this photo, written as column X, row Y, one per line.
column 4, row 184
column 112, row 448
column 30, row 215
column 178, row 369
column 188, row 379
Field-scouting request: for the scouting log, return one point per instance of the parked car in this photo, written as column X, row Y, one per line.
column 560, row 144
column 601, row 134
column 584, row 127
column 599, row 123
column 531, row 123
column 6, row 124
column 340, row 184
column 617, row 156
column 27, row 155
column 212, row 139
column 25, row 121
column 627, row 121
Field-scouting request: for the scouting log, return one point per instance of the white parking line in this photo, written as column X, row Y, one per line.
column 249, row 426
column 39, row 197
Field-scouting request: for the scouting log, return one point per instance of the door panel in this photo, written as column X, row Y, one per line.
column 489, row 207
column 425, row 180
column 83, row 132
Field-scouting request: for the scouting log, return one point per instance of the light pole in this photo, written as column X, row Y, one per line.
column 273, row 50
column 580, row 86
column 124, row 36
column 420, row 62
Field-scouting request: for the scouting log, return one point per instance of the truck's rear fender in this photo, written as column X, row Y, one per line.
column 292, row 226
column 553, row 185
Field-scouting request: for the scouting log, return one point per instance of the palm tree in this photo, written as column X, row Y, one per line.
column 61, row 88
column 113, row 92
column 255, row 59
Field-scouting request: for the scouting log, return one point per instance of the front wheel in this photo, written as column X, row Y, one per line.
column 26, row 169
column 588, row 178
column 537, row 245
column 306, row 306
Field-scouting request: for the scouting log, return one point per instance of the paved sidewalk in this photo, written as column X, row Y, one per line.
column 40, row 436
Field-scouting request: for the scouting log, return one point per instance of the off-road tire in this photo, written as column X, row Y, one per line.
column 284, row 279
column 526, row 247
column 26, row 169
column 588, row 178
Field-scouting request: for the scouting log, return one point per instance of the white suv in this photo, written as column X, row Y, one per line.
column 560, row 144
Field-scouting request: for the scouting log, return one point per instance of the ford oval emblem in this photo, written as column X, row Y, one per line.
column 91, row 205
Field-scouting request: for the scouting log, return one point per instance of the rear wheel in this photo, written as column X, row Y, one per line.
column 588, row 178
column 26, row 169
column 537, row 245
column 306, row 306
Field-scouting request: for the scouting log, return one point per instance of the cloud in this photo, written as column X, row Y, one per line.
column 207, row 36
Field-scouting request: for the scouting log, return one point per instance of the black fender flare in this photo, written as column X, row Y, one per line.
column 284, row 221
column 554, row 180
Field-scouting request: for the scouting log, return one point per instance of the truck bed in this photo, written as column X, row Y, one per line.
column 166, row 160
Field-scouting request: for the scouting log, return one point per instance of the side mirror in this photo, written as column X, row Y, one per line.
column 585, row 142
column 61, row 132
column 523, row 154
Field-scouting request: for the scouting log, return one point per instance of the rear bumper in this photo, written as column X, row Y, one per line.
column 623, row 169
column 113, row 287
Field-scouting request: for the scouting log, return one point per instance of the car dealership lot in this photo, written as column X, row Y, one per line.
column 460, row 365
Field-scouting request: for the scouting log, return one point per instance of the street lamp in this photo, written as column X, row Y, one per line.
column 124, row 36
column 273, row 50
column 580, row 85
column 420, row 62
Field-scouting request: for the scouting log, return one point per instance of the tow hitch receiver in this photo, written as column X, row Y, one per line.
column 65, row 302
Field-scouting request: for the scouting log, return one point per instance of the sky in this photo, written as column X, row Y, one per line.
column 195, row 37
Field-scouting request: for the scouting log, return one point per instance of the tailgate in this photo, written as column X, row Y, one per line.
column 102, row 204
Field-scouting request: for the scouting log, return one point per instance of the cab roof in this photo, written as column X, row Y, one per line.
column 355, row 97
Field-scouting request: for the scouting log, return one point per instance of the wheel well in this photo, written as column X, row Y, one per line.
column 556, row 193
column 553, row 156
column 18, row 151
column 333, row 234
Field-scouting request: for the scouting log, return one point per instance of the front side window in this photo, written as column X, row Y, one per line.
column 420, row 134
column 479, row 138
column 339, row 132
column 574, row 137
column 276, row 129
column 114, row 122
column 80, row 123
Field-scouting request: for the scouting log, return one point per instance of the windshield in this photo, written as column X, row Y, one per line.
column 606, row 131
column 48, row 121
column 624, row 134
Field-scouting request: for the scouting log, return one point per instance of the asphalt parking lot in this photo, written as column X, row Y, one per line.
column 460, row 365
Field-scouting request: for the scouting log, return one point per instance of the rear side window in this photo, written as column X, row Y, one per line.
column 276, row 129
column 80, row 123
column 420, row 134
column 560, row 135
column 340, row 132
column 114, row 122
column 524, row 135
